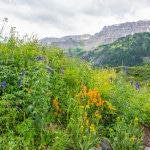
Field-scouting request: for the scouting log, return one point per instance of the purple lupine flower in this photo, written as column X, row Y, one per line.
column 3, row 85
column 131, row 83
column 39, row 58
column 111, row 79
column 83, row 57
column 20, row 81
column 71, row 55
column 137, row 86
column 50, row 70
column 126, row 71
column 62, row 70
column 24, row 73
column 99, row 61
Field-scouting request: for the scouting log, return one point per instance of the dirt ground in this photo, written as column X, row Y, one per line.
column 147, row 137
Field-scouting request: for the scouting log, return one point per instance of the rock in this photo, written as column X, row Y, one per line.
column 105, row 145
column 147, row 148
column 107, row 35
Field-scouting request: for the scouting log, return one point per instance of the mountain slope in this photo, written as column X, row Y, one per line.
column 131, row 50
column 107, row 35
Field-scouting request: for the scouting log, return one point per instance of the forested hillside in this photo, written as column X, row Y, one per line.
column 132, row 50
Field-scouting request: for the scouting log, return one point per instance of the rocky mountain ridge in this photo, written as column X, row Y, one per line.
column 107, row 35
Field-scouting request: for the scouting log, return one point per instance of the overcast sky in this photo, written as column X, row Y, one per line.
column 57, row 18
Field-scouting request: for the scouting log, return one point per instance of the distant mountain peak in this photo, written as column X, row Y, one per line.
column 107, row 35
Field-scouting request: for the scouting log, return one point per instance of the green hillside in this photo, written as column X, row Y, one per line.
column 132, row 50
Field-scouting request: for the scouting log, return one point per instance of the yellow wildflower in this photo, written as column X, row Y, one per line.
column 84, row 137
column 132, row 139
column 82, row 107
column 136, row 119
column 81, row 128
column 87, row 106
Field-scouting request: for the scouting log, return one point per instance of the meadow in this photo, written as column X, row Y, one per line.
column 50, row 101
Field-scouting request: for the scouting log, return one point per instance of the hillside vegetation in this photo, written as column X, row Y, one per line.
column 132, row 50
column 51, row 102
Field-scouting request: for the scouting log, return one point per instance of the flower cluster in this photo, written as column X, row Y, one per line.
column 55, row 102
column 3, row 85
column 90, row 103
column 57, row 107
column 94, row 97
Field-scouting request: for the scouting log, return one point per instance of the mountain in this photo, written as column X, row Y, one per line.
column 107, row 35
column 131, row 50
column 66, row 42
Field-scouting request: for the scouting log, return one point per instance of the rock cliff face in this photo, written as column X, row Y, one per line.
column 107, row 35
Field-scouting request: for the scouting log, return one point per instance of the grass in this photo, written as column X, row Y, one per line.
column 50, row 101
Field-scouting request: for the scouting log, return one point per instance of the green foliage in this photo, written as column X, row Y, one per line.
column 126, row 136
column 50, row 101
column 132, row 50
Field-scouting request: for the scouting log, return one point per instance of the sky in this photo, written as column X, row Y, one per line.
column 58, row 18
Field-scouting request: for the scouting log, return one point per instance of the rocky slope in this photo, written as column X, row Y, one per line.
column 107, row 35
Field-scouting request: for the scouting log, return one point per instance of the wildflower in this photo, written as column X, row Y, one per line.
column 85, row 115
column 110, row 79
column 87, row 106
column 87, row 122
column 3, row 85
column 97, row 145
column 50, row 70
column 94, row 100
column 131, row 83
column 82, row 107
column 137, row 86
column 136, row 120
column 100, row 103
column 84, row 137
column 96, row 112
column 84, row 88
column 92, row 128
column 62, row 70
column 55, row 102
column 20, row 81
column 81, row 128
column 24, row 73
column 100, row 61
column 132, row 139
column 55, row 113
column 88, row 103
column 98, row 116
column 83, row 57
column 52, row 128
column 30, row 91
column 118, row 118
column 126, row 71
column 39, row 58
column 71, row 55
column 57, row 107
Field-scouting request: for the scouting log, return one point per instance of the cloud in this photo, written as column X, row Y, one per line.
column 74, row 16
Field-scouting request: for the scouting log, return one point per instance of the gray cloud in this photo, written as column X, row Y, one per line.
column 69, row 14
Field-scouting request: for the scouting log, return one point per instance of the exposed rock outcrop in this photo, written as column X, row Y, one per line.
column 107, row 35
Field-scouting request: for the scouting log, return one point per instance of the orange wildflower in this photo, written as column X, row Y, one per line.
column 96, row 112
column 94, row 100
column 55, row 102
column 57, row 107
column 55, row 113
column 97, row 145
column 87, row 122
column 85, row 115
